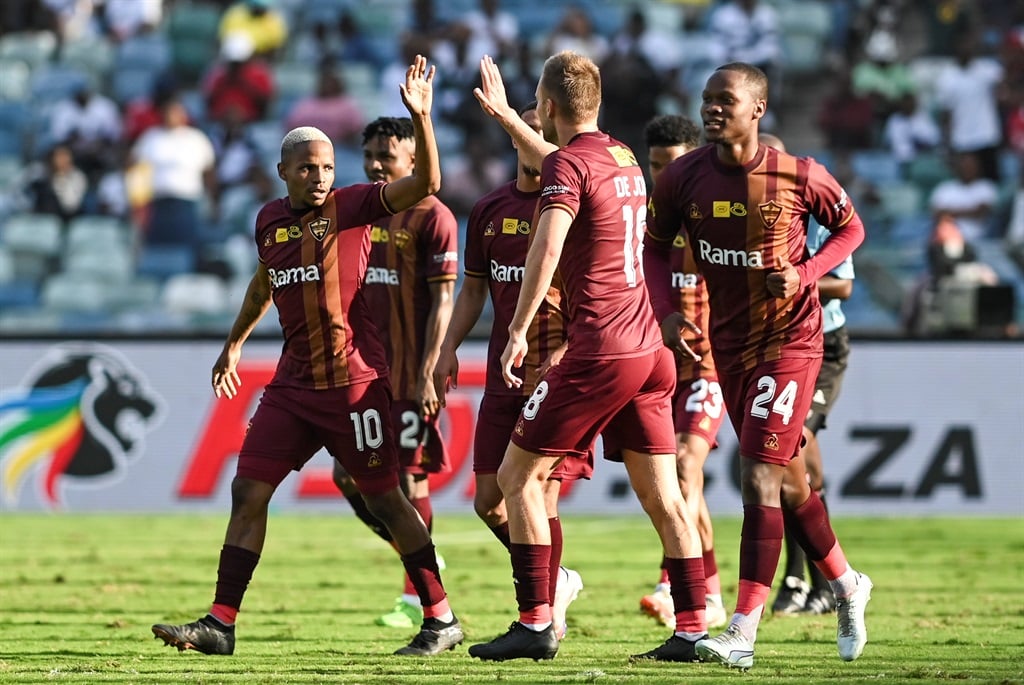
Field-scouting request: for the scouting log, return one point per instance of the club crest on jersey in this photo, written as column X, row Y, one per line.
column 401, row 238
column 489, row 231
column 695, row 212
column 319, row 227
column 770, row 212
column 623, row 155
column 679, row 241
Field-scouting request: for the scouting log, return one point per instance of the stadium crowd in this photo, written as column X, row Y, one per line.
column 139, row 137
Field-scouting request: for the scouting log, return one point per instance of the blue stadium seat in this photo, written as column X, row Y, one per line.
column 163, row 261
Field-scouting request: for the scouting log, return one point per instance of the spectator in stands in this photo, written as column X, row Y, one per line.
column 951, row 257
column 493, row 31
column 947, row 21
column 882, row 75
column 631, row 85
column 330, row 109
column 410, row 44
column 969, row 198
column 240, row 81
column 123, row 19
column 90, row 124
column 55, row 185
column 949, row 251
column 356, row 45
column 910, row 130
column 235, row 151
column 748, row 31
column 846, row 117
column 343, row 42
column 179, row 162
column 73, row 18
column 965, row 92
column 1015, row 225
column 265, row 26
column 144, row 113
column 575, row 32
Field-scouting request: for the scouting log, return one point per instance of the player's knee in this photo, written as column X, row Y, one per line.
column 249, row 497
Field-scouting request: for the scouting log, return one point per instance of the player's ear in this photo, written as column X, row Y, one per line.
column 760, row 107
column 280, row 171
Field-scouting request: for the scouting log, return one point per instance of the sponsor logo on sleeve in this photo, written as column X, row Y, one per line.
column 450, row 256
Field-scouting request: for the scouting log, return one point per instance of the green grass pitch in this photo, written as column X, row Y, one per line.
column 78, row 594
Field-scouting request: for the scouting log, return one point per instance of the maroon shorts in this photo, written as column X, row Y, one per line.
column 699, row 408
column 421, row 449
column 494, row 424
column 627, row 401
column 767, row 406
column 353, row 423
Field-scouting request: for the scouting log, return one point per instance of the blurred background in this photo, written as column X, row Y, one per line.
column 138, row 138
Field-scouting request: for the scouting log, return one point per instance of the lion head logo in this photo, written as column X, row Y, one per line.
column 81, row 418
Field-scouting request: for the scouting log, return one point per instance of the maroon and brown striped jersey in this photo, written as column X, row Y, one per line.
column 596, row 179
column 690, row 298
column 739, row 221
column 408, row 252
column 316, row 259
column 497, row 240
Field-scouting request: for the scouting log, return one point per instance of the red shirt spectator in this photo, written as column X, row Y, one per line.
column 238, row 82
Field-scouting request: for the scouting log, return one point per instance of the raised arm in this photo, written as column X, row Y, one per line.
column 491, row 95
column 418, row 95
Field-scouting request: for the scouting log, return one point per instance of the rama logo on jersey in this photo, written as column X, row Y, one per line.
column 720, row 256
column 502, row 273
column 297, row 274
column 81, row 418
column 380, row 275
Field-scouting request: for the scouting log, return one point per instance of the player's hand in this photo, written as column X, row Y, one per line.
column 784, row 281
column 491, row 93
column 225, row 375
column 418, row 89
column 427, row 398
column 672, row 335
column 512, row 357
column 554, row 360
column 446, row 373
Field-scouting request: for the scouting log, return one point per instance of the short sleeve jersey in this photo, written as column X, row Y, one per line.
column 497, row 240
column 316, row 259
column 408, row 252
column 596, row 179
column 740, row 220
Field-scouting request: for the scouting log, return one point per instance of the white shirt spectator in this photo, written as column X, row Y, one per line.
column 97, row 120
column 958, row 197
column 968, row 93
column 492, row 35
column 129, row 17
column 907, row 135
column 178, row 158
column 742, row 37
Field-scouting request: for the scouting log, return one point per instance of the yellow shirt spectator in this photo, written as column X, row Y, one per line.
column 256, row 18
